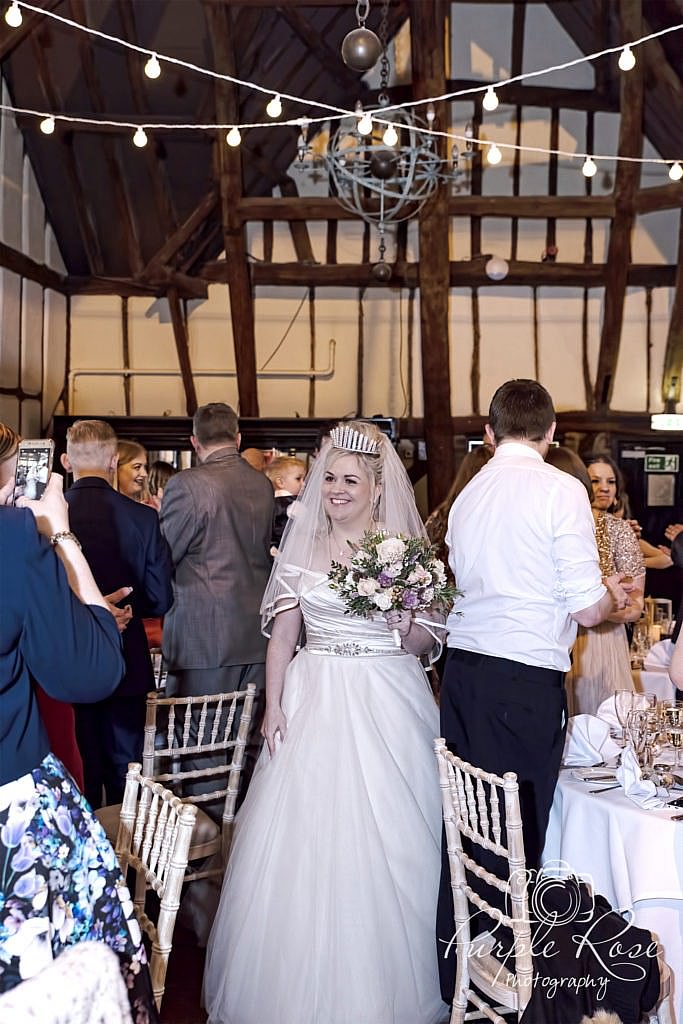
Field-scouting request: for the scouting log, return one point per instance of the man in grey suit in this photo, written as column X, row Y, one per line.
column 217, row 519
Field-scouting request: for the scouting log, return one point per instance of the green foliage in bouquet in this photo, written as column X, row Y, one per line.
column 391, row 572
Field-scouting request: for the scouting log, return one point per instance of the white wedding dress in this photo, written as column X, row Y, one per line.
column 327, row 914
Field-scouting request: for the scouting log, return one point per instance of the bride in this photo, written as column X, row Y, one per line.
column 327, row 909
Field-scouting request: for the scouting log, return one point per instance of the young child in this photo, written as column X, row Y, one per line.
column 286, row 473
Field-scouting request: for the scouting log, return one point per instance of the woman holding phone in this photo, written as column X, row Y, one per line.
column 61, row 882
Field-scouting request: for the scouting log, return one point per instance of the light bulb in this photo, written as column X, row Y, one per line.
column 589, row 168
column 497, row 268
column 676, row 172
column 358, row 109
column 140, row 138
column 490, row 100
column 152, row 67
column 390, row 137
column 47, row 125
column 493, row 154
column 13, row 15
column 233, row 138
column 431, row 113
column 365, row 124
column 274, row 107
column 627, row 59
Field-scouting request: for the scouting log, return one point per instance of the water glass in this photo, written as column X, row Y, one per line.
column 672, row 711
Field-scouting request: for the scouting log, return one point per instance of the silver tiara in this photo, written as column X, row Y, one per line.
column 352, row 440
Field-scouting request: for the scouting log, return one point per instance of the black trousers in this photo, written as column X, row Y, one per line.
column 110, row 735
column 502, row 716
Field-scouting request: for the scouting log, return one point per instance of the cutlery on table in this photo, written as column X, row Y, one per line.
column 605, row 789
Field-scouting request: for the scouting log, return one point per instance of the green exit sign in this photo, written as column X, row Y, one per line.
column 661, row 463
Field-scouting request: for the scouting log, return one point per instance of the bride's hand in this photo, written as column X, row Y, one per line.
column 400, row 621
column 274, row 722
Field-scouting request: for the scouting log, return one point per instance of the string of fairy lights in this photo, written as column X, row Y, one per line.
column 366, row 121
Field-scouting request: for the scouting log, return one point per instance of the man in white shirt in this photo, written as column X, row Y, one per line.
column 522, row 549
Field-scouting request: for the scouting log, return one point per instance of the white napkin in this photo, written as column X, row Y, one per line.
column 640, row 790
column 659, row 655
column 607, row 712
column 588, row 742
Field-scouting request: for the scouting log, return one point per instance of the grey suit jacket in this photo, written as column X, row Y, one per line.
column 217, row 519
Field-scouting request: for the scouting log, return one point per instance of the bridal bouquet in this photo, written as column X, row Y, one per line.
column 390, row 572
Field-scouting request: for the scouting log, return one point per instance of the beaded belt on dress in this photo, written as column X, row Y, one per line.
column 352, row 649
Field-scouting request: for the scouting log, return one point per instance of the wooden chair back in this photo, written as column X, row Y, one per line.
column 483, row 809
column 192, row 727
column 153, row 840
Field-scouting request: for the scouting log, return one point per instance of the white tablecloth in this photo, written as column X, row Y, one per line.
column 654, row 681
column 632, row 856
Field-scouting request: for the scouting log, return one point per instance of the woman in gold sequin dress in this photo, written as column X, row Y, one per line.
column 600, row 657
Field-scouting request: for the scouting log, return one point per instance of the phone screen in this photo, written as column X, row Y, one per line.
column 34, row 465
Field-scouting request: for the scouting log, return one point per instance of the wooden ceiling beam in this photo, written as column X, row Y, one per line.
column 184, row 233
column 518, row 94
column 161, row 187
column 329, row 59
column 179, row 321
column 18, row 263
column 316, row 208
column 660, row 197
column 626, row 180
column 673, row 355
column 229, row 171
column 86, row 226
column 462, row 273
column 128, row 287
column 428, row 36
column 117, row 180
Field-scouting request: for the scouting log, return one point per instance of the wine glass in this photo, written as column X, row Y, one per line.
column 623, row 703
column 673, row 717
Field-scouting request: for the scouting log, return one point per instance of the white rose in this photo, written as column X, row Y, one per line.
column 366, row 587
column 383, row 600
column 428, row 594
column 390, row 550
column 393, row 570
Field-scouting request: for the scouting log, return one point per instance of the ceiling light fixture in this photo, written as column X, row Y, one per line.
column 274, row 107
column 390, row 137
column 47, row 125
column 153, row 67
column 490, row 100
column 589, row 168
column 627, row 60
column 140, row 138
column 497, row 268
column 233, row 138
column 493, row 154
column 13, row 15
column 676, row 171
column 361, row 48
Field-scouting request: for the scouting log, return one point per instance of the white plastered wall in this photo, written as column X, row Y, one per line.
column 32, row 319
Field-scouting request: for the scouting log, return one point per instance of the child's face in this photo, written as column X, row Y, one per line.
column 291, row 479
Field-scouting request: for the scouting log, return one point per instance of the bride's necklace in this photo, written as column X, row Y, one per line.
column 340, row 551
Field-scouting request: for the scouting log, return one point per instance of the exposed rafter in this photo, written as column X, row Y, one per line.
column 627, row 177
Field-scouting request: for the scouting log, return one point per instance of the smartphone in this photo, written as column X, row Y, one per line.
column 34, row 465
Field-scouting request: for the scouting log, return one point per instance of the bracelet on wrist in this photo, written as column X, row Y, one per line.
column 57, row 538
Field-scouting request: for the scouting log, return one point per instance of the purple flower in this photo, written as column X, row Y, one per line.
column 26, row 855
column 13, row 829
column 27, row 886
column 63, row 820
column 384, row 580
column 409, row 599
